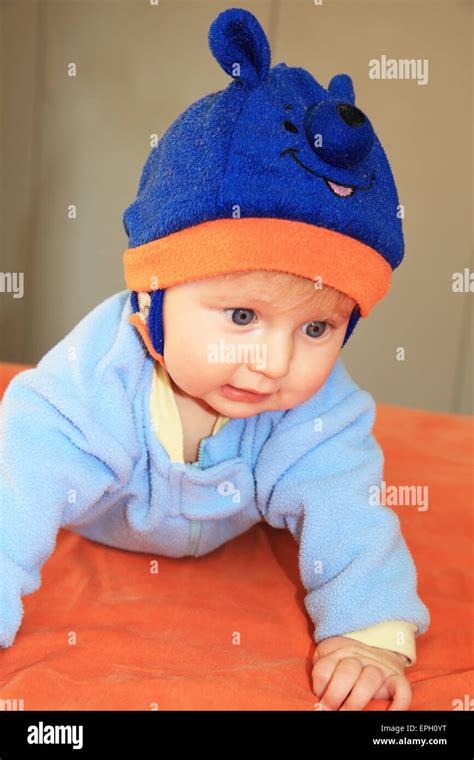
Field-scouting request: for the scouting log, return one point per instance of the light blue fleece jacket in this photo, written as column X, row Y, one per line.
column 78, row 450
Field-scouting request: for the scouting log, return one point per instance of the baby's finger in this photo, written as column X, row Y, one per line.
column 321, row 674
column 344, row 676
column 400, row 689
column 368, row 683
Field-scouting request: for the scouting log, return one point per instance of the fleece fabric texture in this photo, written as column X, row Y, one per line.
column 79, row 451
column 273, row 172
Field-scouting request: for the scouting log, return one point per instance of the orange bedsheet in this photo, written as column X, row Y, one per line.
column 229, row 631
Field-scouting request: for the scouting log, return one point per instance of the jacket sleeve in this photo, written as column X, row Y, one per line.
column 55, row 463
column 354, row 562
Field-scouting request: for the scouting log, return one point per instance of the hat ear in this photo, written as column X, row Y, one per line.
column 240, row 46
column 342, row 88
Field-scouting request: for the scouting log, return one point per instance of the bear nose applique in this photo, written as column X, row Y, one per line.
column 338, row 132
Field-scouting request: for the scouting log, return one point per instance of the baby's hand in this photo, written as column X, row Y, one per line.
column 345, row 669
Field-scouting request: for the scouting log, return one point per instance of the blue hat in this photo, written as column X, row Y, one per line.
column 274, row 172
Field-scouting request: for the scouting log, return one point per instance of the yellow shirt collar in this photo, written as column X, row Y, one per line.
column 165, row 415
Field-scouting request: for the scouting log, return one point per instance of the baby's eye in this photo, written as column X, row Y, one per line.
column 241, row 316
column 315, row 329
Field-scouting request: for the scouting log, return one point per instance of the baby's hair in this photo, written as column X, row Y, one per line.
column 293, row 287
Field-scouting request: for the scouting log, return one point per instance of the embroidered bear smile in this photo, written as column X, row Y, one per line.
column 342, row 191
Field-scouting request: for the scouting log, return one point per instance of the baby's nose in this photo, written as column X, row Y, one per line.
column 339, row 133
column 274, row 359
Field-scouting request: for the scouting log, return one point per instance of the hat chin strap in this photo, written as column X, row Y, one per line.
column 354, row 318
column 142, row 328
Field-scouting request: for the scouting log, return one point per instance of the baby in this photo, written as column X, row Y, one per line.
column 212, row 396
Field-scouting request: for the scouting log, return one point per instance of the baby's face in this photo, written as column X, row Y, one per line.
column 218, row 334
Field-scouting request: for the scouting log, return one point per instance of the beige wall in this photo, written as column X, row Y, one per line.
column 84, row 140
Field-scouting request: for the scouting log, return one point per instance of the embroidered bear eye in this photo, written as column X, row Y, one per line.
column 241, row 316
column 290, row 127
column 315, row 329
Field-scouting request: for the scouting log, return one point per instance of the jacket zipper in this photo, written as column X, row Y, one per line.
column 194, row 534
column 195, row 530
column 199, row 459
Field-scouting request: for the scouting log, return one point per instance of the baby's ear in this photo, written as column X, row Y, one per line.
column 144, row 300
column 239, row 44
